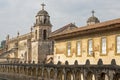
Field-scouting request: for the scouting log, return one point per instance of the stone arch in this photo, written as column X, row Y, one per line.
column 21, row 69
column 13, row 69
column 90, row 76
column 52, row 73
column 34, row 71
column 60, row 75
column 39, row 72
column 78, row 75
column 25, row 71
column 69, row 75
column 116, row 76
column 103, row 76
column 30, row 71
column 10, row 68
column 45, row 74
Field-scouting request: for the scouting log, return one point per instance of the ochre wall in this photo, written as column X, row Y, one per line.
column 60, row 49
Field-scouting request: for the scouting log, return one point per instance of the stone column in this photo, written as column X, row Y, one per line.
column 65, row 76
column 27, row 73
column 42, row 74
column 84, row 75
column 48, row 74
column 111, row 75
column 97, row 76
column 55, row 76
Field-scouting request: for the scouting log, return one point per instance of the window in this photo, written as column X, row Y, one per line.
column 68, row 49
column 35, row 34
column 118, row 45
column 44, row 34
column 103, row 46
column 90, row 47
column 78, row 48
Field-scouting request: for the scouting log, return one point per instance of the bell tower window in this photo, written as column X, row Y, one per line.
column 36, row 34
column 44, row 34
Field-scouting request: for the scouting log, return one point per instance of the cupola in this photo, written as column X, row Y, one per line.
column 92, row 19
column 42, row 17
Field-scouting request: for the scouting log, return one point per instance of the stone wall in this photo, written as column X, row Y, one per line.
column 50, row 71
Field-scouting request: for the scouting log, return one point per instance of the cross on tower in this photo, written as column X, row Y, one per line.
column 43, row 5
column 93, row 12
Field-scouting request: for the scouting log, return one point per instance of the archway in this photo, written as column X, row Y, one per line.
column 116, row 76
column 78, row 75
column 60, row 75
column 29, row 71
column 34, row 71
column 69, row 76
column 90, row 76
column 39, row 72
column 52, row 73
column 103, row 76
column 45, row 74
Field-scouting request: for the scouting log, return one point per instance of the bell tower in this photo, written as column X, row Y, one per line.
column 42, row 30
column 42, row 25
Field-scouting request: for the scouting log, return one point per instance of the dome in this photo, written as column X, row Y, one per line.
column 92, row 19
column 42, row 12
column 42, row 17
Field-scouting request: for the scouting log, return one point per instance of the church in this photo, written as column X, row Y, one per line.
column 97, row 40
column 90, row 52
column 33, row 46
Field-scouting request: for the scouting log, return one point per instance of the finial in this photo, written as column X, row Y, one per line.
column 43, row 5
column 93, row 12
column 18, row 33
column 31, row 29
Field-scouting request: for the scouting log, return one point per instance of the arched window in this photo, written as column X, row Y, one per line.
column 44, row 34
column 36, row 34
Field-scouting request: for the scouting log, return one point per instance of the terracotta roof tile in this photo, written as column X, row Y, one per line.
column 88, row 27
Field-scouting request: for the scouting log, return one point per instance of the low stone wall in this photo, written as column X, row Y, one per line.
column 50, row 71
column 9, row 76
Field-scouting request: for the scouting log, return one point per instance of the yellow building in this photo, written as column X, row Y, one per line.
column 97, row 40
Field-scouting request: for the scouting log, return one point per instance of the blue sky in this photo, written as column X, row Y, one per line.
column 19, row 15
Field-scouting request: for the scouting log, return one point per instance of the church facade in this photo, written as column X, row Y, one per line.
column 33, row 46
